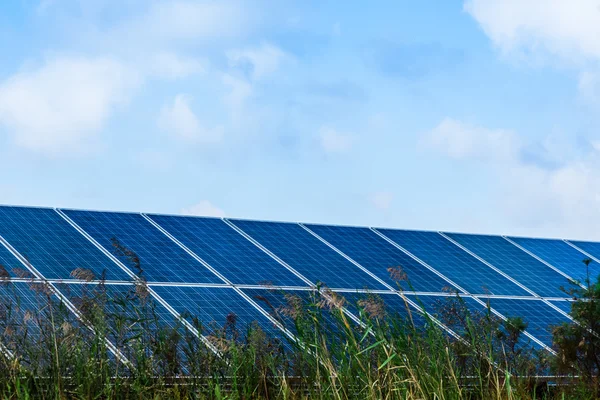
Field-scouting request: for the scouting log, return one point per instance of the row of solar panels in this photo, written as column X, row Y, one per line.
column 213, row 306
column 182, row 257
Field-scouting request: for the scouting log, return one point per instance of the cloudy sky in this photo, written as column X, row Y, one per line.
column 476, row 115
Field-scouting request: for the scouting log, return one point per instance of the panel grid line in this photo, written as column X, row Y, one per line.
column 207, row 265
column 417, row 259
column 490, row 265
column 581, row 250
column 271, row 254
column 541, row 260
column 504, row 318
column 116, row 352
column 137, row 279
column 347, row 257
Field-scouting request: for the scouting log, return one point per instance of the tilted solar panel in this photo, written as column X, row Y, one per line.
column 564, row 305
column 227, row 251
column 449, row 259
column 381, row 258
column 516, row 263
column 182, row 259
column 222, row 312
column 10, row 266
column 53, row 246
column 160, row 259
column 539, row 316
column 592, row 248
column 560, row 255
column 308, row 255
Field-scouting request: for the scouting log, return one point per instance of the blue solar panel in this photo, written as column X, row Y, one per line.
column 131, row 301
column 514, row 262
column 9, row 265
column 53, row 246
column 539, row 317
column 161, row 259
column 302, row 312
column 381, row 258
column 383, row 306
column 131, row 316
column 27, row 310
column 19, row 306
column 227, row 251
column 561, row 256
column 451, row 311
column 564, row 305
column 308, row 255
column 456, row 264
column 593, row 249
column 219, row 310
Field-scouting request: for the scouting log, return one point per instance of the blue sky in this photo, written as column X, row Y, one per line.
column 476, row 115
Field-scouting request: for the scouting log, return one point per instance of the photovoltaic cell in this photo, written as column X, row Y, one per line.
column 26, row 312
column 160, row 259
column 561, row 256
column 383, row 306
column 53, row 246
column 564, row 305
column 308, row 255
column 9, row 264
column 302, row 311
column 381, row 258
column 593, row 249
column 539, row 317
column 450, row 310
column 456, row 264
column 130, row 314
column 514, row 262
column 220, row 310
column 227, row 251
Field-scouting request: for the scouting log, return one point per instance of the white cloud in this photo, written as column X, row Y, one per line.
column 562, row 199
column 333, row 141
column 561, row 27
column 239, row 91
column 204, row 208
column 460, row 140
column 179, row 120
column 60, row 107
column 174, row 66
column 187, row 20
column 382, row 200
column 263, row 60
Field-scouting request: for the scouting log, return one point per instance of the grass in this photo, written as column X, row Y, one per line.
column 379, row 356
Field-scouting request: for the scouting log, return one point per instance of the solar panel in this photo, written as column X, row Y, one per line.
column 560, row 255
column 308, row 255
column 381, row 258
column 227, row 251
column 513, row 261
column 564, row 305
column 470, row 273
column 276, row 264
column 10, row 266
column 451, row 310
column 592, row 248
column 221, row 311
column 160, row 259
column 52, row 246
column 539, row 316
column 385, row 306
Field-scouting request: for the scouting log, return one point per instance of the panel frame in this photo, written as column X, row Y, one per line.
column 542, row 260
column 417, row 259
column 112, row 348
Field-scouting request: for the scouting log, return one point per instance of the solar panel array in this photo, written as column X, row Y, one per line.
column 214, row 268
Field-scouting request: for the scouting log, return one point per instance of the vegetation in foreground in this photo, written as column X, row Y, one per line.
column 49, row 353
